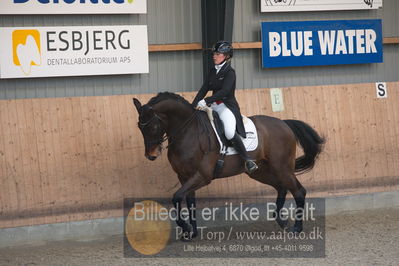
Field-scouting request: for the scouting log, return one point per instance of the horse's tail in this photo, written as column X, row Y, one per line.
column 310, row 141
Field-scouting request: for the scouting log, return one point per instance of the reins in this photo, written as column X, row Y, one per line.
column 179, row 130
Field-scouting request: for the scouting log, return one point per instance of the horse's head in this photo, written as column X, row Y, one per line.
column 152, row 128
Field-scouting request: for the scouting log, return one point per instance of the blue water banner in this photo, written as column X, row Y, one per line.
column 315, row 43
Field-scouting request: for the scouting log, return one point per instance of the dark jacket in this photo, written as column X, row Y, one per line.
column 223, row 86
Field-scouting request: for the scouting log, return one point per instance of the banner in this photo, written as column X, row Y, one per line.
column 317, row 5
column 8, row 7
column 73, row 51
column 312, row 43
column 224, row 228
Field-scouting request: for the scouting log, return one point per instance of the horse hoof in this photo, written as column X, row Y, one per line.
column 296, row 229
column 282, row 224
column 186, row 236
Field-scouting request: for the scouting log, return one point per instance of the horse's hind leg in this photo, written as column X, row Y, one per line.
column 265, row 176
column 291, row 183
column 283, row 181
column 280, row 200
column 299, row 194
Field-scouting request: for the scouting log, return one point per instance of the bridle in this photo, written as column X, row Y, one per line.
column 149, row 121
column 164, row 137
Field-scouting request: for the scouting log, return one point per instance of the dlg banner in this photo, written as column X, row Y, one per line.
column 73, row 7
column 312, row 43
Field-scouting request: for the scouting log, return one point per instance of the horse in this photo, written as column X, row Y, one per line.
column 193, row 151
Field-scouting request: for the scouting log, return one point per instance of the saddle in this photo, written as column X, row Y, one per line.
column 226, row 147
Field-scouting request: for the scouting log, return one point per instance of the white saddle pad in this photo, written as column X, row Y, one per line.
column 250, row 142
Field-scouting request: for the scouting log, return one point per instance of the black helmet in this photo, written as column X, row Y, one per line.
column 223, row 47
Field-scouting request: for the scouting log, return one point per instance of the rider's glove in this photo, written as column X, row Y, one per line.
column 201, row 105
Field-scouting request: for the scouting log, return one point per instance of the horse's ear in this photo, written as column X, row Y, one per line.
column 137, row 103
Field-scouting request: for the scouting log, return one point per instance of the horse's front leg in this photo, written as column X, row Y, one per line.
column 190, row 186
column 186, row 232
column 191, row 206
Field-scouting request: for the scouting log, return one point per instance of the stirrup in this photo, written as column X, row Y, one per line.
column 251, row 166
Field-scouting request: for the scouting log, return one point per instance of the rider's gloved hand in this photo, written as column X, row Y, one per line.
column 201, row 105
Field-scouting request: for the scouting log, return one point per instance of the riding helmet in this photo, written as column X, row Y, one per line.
column 223, row 47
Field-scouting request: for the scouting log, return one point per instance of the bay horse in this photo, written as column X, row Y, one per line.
column 193, row 151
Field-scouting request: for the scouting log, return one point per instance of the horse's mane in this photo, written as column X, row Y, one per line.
column 162, row 96
column 202, row 116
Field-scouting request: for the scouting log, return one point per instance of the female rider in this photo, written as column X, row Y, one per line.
column 222, row 81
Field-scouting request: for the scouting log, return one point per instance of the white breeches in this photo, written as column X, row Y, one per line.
column 228, row 118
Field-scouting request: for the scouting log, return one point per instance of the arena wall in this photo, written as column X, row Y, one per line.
column 71, row 159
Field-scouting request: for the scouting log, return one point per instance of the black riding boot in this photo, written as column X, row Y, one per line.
column 250, row 165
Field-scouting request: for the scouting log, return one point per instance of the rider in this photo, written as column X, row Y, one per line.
column 222, row 81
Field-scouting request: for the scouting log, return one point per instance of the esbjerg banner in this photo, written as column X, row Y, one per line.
column 73, row 6
column 313, row 43
column 317, row 5
column 73, row 51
